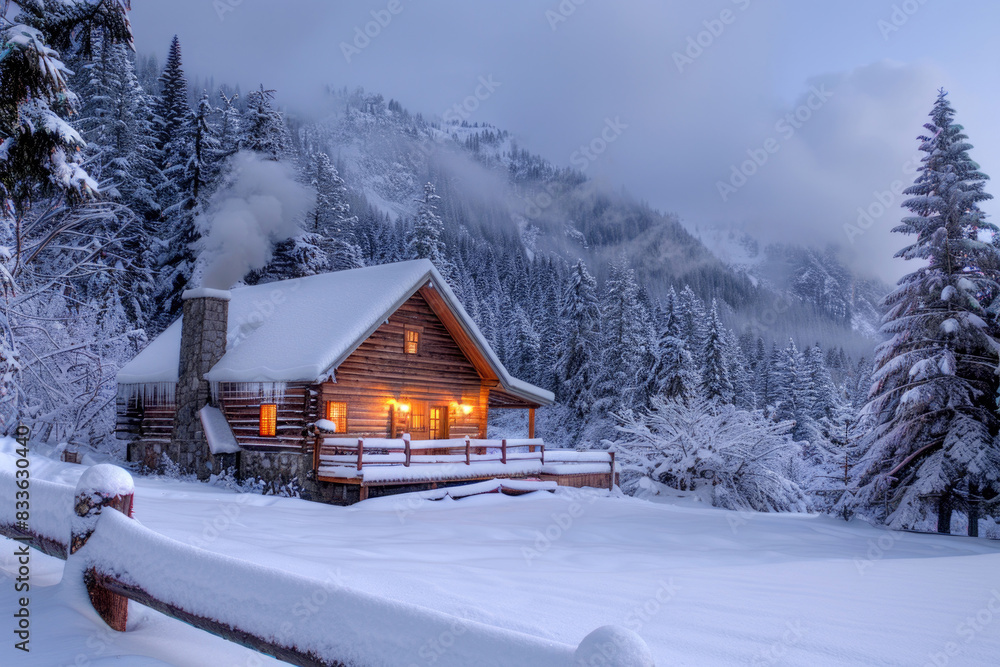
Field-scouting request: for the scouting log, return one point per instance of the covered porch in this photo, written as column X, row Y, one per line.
column 368, row 463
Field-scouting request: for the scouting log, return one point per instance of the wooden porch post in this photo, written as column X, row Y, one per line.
column 531, row 423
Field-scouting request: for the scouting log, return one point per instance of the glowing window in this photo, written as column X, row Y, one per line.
column 418, row 416
column 337, row 413
column 412, row 341
column 268, row 420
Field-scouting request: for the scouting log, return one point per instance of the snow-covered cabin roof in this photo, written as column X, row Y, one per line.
column 302, row 329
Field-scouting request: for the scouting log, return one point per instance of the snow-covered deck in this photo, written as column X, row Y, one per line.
column 382, row 461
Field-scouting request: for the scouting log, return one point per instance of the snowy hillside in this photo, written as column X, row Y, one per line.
column 492, row 188
column 701, row 586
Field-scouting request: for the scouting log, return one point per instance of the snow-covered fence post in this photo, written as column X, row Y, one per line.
column 468, row 451
column 613, row 646
column 101, row 486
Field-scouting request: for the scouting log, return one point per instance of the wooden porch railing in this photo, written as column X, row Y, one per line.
column 358, row 454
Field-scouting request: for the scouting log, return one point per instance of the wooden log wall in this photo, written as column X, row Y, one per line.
column 379, row 372
column 151, row 423
column 296, row 409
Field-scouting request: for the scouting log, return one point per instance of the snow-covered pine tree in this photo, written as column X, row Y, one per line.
column 740, row 372
column 177, row 233
column 579, row 355
column 690, row 311
column 792, row 390
column 675, row 373
column 824, row 392
column 716, row 380
column 626, row 342
column 173, row 114
column 332, row 220
column 47, row 200
column 230, row 130
column 38, row 148
column 264, row 126
column 932, row 409
column 527, row 345
column 427, row 241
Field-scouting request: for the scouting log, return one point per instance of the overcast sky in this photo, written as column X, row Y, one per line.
column 861, row 75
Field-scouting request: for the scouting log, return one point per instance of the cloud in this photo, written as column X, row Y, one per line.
column 842, row 152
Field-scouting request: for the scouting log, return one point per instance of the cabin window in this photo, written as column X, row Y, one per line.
column 336, row 411
column 439, row 422
column 268, row 420
column 411, row 344
column 418, row 416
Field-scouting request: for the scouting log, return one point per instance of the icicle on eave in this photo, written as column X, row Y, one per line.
column 254, row 392
column 150, row 393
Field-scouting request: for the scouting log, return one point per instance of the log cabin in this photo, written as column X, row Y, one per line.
column 371, row 380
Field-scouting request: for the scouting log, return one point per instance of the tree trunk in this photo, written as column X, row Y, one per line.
column 944, row 513
column 973, row 510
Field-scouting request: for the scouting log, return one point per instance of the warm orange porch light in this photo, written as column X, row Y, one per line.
column 466, row 409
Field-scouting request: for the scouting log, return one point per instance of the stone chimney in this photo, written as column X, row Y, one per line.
column 203, row 342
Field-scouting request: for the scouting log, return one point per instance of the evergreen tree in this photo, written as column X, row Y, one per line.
column 331, row 220
column 173, row 119
column 177, row 232
column 231, row 129
column 690, row 312
column 933, row 403
column 428, row 230
column 716, row 381
column 579, row 356
column 263, row 126
column 675, row 373
column 625, row 342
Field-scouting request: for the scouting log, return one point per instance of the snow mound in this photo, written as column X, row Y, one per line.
column 105, row 479
column 613, row 646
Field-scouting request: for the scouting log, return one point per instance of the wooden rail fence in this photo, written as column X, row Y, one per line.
column 122, row 560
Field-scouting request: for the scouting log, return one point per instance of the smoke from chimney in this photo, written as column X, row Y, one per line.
column 260, row 206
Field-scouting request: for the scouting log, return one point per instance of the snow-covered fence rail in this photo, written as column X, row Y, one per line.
column 121, row 560
column 48, row 525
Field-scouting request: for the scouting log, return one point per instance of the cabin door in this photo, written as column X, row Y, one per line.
column 439, row 422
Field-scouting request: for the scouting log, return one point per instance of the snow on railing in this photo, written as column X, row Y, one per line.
column 368, row 458
column 394, row 451
column 120, row 559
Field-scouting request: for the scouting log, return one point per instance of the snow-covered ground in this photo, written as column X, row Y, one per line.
column 702, row 586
